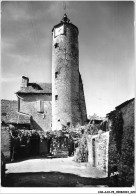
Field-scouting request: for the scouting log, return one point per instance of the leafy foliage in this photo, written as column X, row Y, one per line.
column 69, row 137
column 81, row 154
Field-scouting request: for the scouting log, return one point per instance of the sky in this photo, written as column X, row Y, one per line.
column 106, row 48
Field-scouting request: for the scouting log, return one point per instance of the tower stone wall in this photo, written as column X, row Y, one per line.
column 82, row 101
column 65, row 75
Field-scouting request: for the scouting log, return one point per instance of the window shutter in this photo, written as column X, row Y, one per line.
column 40, row 106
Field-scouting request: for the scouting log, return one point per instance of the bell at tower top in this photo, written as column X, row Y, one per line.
column 65, row 19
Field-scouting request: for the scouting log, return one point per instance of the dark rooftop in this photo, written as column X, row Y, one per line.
column 36, row 88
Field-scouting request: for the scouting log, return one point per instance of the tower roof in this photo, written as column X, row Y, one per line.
column 65, row 20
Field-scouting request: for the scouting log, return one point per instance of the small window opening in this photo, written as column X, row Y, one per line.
column 56, row 97
column 56, row 45
column 4, row 114
column 56, row 74
column 68, row 124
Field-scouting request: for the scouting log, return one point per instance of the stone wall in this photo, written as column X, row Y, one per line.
column 65, row 77
column 128, row 114
column 29, row 104
column 126, row 164
column 98, row 151
column 5, row 142
column 122, row 162
column 82, row 101
column 8, row 108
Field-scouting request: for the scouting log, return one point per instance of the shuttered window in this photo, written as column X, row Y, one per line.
column 40, row 106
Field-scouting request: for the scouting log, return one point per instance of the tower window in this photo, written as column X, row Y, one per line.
column 56, row 97
column 18, row 104
column 4, row 114
column 56, row 74
column 68, row 124
column 56, row 45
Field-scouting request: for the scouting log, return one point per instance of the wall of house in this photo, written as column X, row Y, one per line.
column 65, row 61
column 82, row 103
column 123, row 161
column 126, row 164
column 5, row 142
column 98, row 151
column 128, row 114
column 29, row 104
column 8, row 108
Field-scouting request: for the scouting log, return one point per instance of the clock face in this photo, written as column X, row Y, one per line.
column 59, row 30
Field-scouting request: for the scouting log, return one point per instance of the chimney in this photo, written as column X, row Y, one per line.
column 25, row 81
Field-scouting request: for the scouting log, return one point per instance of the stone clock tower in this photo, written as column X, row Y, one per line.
column 68, row 103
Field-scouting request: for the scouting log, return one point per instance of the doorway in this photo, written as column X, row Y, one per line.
column 35, row 146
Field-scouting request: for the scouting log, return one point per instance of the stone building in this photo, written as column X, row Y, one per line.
column 127, row 109
column 121, row 125
column 32, row 112
column 113, row 148
column 34, row 99
column 11, row 118
column 68, row 102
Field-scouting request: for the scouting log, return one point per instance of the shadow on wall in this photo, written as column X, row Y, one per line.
column 35, row 125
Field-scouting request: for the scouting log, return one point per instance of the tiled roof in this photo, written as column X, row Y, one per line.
column 37, row 88
column 9, row 113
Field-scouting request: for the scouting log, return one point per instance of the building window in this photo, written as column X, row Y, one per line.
column 4, row 114
column 56, row 74
column 56, row 97
column 56, row 45
column 40, row 106
column 68, row 124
